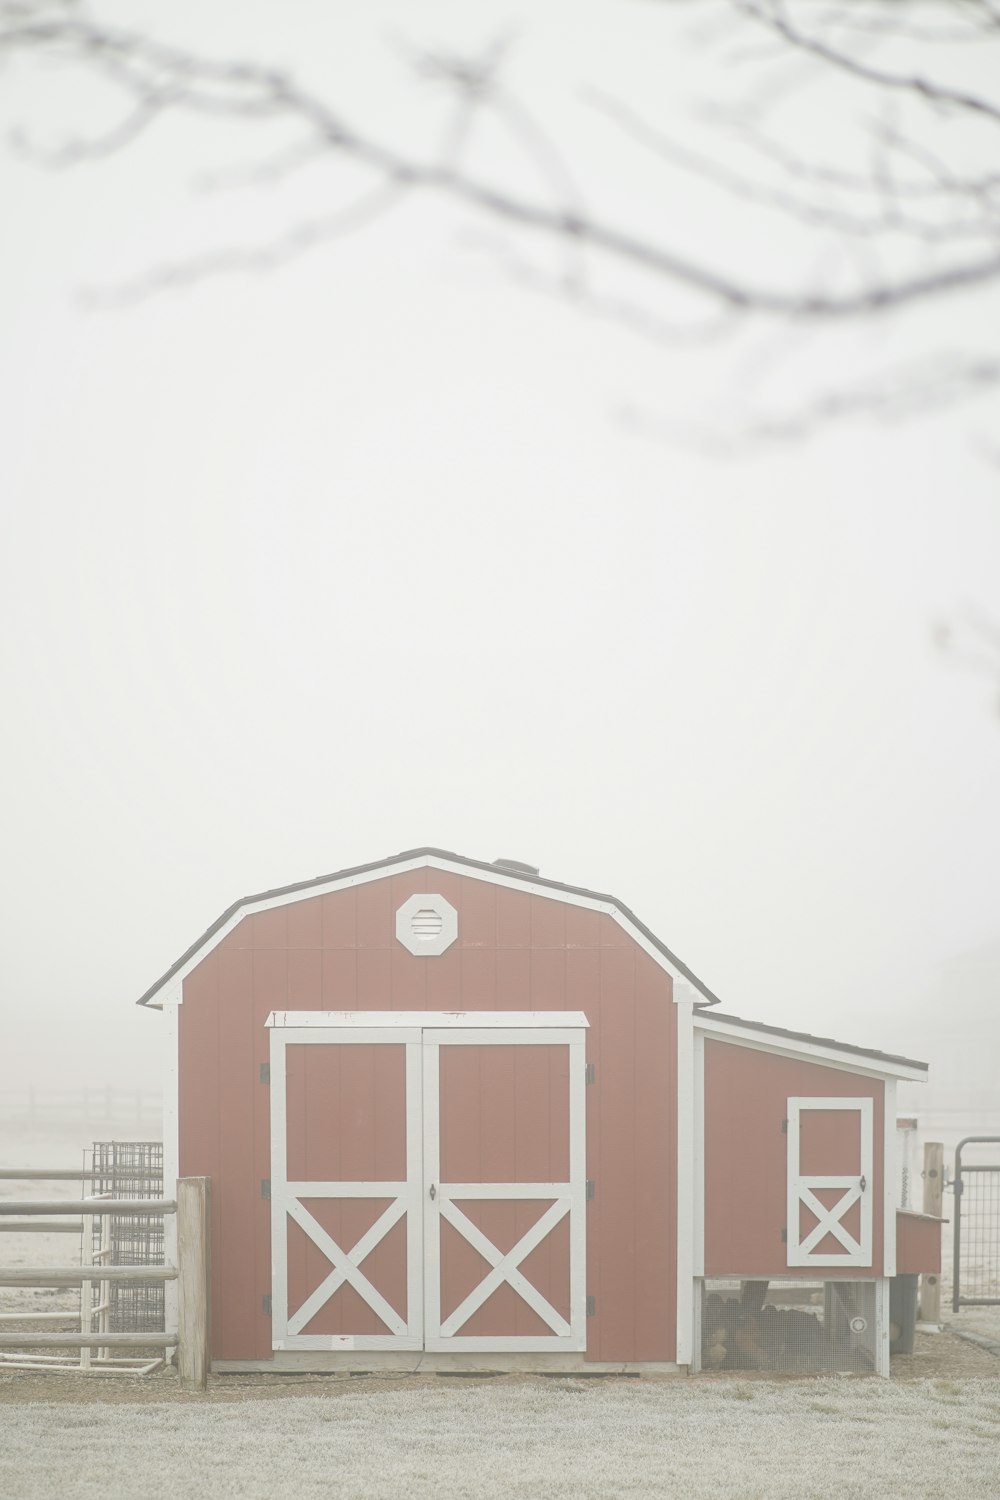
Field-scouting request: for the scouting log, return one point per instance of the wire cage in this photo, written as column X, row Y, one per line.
column 798, row 1328
column 131, row 1169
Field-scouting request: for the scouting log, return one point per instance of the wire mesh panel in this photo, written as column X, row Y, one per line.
column 800, row 1328
column 976, row 1246
column 132, row 1169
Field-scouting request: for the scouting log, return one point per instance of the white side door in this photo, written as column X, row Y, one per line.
column 830, row 1192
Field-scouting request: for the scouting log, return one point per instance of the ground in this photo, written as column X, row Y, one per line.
column 426, row 1436
column 931, row 1432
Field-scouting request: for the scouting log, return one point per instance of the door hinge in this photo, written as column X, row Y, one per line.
column 265, row 1303
column 590, row 1073
column 591, row 1307
column 265, row 1187
column 784, row 1236
column 265, row 1072
column 591, row 1189
column 784, row 1127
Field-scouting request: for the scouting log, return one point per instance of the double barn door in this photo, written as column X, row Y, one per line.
column 427, row 1181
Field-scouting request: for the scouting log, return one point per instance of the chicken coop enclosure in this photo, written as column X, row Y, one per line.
column 828, row 1327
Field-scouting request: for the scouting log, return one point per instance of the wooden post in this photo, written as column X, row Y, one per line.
column 193, row 1353
column 930, row 1285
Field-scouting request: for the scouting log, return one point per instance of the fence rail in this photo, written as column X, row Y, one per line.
column 82, row 1104
column 95, row 1206
column 77, row 1275
column 191, row 1336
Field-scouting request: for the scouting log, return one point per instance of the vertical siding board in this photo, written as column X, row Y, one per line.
column 477, row 915
column 478, row 977
column 615, row 1247
column 339, row 918
column 270, row 989
column 304, row 921
column 305, row 979
column 583, row 927
column 374, row 979
column 513, row 969
column 655, row 1147
column 445, row 987
column 548, row 978
column 407, row 979
column 513, row 918
column 260, row 1009
column 548, row 923
column 339, row 971
column 270, row 928
column 376, row 919
column 236, row 1188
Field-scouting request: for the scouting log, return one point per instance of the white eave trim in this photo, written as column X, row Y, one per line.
column 820, row 1052
column 417, row 1020
column 422, row 862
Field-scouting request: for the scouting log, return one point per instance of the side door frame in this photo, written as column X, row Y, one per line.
column 855, row 1186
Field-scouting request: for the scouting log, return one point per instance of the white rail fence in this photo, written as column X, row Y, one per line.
column 87, row 1104
column 190, row 1338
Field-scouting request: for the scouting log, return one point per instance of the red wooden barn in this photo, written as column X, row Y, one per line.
column 455, row 1112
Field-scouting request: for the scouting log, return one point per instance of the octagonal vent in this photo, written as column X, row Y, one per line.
column 426, row 925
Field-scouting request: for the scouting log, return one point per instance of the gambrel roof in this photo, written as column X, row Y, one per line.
column 499, row 873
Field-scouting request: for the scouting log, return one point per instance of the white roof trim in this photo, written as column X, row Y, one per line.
column 400, row 867
column 821, row 1052
column 415, row 1020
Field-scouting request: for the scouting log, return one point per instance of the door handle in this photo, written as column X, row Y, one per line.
column 434, row 1192
column 863, row 1183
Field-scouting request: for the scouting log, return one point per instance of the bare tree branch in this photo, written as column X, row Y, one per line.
column 898, row 395
column 926, row 88
column 161, row 77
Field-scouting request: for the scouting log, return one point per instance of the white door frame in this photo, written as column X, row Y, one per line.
column 423, row 1034
column 854, row 1187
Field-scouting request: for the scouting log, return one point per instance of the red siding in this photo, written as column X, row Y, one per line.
column 515, row 951
column 918, row 1244
column 746, row 1094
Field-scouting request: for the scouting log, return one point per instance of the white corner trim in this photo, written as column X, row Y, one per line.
column 426, row 925
column 171, row 1146
column 889, row 1178
column 699, row 1156
column 684, row 1008
column 401, row 867
column 487, row 1020
column 881, row 1326
column 821, row 1052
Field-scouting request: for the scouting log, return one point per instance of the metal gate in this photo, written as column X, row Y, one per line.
column 976, row 1264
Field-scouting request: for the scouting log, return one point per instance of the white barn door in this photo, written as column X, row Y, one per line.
column 428, row 1181
column 505, row 1190
column 346, row 1188
column 830, row 1190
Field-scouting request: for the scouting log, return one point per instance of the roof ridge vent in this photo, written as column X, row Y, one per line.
column 517, row 865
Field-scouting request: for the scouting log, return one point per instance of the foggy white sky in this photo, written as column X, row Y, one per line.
column 306, row 568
